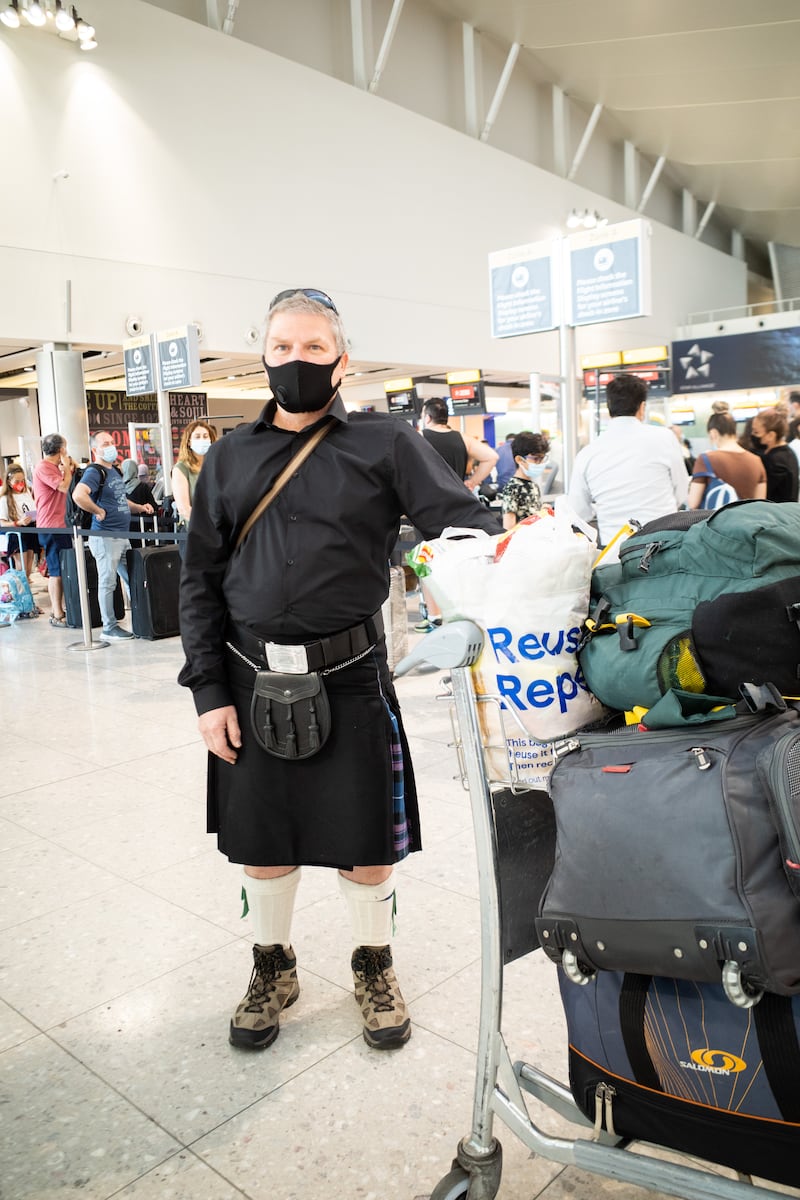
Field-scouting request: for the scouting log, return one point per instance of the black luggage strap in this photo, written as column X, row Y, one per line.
column 780, row 1052
column 632, row 1000
column 330, row 651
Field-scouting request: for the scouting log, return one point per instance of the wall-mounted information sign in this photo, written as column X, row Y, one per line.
column 609, row 271
column 521, row 286
column 139, row 375
column 178, row 358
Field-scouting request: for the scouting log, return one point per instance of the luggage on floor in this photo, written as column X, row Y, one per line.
column 16, row 597
column 72, row 599
column 154, row 575
column 678, row 853
column 673, row 1062
column 700, row 601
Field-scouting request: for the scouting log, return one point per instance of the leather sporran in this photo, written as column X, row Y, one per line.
column 290, row 714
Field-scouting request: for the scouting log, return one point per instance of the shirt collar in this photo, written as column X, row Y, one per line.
column 267, row 415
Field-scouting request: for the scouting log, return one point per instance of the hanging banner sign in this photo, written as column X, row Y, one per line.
column 521, row 287
column 178, row 358
column 609, row 271
column 139, row 375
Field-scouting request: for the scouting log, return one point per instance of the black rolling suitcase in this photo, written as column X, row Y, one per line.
column 673, row 1062
column 72, row 600
column 154, row 574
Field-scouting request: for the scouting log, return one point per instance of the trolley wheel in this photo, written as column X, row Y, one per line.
column 454, row 1186
column 575, row 970
column 738, row 990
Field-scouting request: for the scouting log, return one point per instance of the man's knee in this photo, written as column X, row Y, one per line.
column 368, row 875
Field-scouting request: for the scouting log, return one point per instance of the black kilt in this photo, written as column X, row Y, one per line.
column 335, row 809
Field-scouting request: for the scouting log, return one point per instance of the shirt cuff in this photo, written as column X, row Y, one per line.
column 213, row 695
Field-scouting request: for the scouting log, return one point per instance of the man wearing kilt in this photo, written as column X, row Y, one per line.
column 282, row 627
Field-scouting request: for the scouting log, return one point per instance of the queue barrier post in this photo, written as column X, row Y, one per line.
column 83, row 591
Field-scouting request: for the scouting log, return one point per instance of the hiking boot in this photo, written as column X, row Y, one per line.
column 386, row 1020
column 273, row 987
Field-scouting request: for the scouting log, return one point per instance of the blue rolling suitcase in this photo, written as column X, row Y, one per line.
column 673, row 1062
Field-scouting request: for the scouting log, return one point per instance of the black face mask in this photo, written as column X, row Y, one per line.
column 758, row 444
column 301, row 387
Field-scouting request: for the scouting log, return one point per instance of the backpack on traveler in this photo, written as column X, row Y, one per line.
column 75, row 515
column 718, row 493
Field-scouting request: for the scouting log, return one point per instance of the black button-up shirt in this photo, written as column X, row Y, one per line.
column 317, row 561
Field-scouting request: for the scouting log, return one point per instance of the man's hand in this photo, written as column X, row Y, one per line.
column 100, row 513
column 146, row 508
column 221, row 733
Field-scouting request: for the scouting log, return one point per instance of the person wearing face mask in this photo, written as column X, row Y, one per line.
column 728, row 461
column 18, row 512
column 196, row 441
column 296, row 604
column 780, row 463
column 101, row 492
column 522, row 497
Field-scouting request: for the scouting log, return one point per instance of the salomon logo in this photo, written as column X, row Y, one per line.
column 715, row 1062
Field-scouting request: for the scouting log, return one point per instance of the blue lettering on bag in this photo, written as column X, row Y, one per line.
column 531, row 647
column 541, row 693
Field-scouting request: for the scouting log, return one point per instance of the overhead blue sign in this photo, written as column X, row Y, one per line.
column 521, row 283
column 609, row 273
column 764, row 358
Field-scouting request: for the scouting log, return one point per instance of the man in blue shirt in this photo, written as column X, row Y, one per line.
column 101, row 492
column 506, row 466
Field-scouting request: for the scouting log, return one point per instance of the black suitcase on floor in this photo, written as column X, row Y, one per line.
column 154, row 574
column 72, row 601
column 673, row 1062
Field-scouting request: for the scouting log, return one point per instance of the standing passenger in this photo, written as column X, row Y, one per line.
column 51, row 481
column 632, row 470
column 302, row 595
column 196, row 441
column 769, row 439
column 522, row 497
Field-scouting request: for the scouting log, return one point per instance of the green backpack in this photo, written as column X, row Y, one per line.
column 701, row 602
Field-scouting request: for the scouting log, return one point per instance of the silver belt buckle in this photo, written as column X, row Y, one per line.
column 289, row 660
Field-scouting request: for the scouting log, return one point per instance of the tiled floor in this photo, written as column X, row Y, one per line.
column 123, row 954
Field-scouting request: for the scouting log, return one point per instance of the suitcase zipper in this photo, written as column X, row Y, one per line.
column 604, row 1095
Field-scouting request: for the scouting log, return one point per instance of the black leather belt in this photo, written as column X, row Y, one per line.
column 302, row 657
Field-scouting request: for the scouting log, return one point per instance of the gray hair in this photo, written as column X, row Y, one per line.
column 298, row 302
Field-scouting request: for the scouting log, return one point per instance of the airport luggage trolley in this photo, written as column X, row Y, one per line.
column 515, row 840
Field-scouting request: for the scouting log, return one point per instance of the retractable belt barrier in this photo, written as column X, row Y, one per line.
column 158, row 536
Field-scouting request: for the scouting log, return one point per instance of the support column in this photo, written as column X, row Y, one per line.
column 631, row 175
column 471, row 123
column 689, row 208
column 560, row 119
column 62, row 396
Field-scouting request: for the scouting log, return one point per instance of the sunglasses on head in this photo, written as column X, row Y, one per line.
column 311, row 293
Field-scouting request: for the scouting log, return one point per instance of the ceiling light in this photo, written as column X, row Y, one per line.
column 10, row 15
column 590, row 220
column 64, row 22
column 88, row 44
column 34, row 13
column 85, row 31
column 574, row 219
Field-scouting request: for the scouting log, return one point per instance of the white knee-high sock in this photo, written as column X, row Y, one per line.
column 370, row 907
column 271, row 904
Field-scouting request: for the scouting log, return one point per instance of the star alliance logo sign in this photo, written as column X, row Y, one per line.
column 697, row 363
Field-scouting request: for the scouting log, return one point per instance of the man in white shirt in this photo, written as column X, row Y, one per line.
column 632, row 470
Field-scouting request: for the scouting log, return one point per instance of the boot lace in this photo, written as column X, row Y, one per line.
column 370, row 965
column 263, row 982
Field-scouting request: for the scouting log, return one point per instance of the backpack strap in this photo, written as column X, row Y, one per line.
column 632, row 1000
column 780, row 1051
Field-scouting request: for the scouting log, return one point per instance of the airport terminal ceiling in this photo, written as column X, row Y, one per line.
column 710, row 85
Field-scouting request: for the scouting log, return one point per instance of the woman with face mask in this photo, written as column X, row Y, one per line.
column 769, row 440
column 196, row 441
column 522, row 497
column 18, row 512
